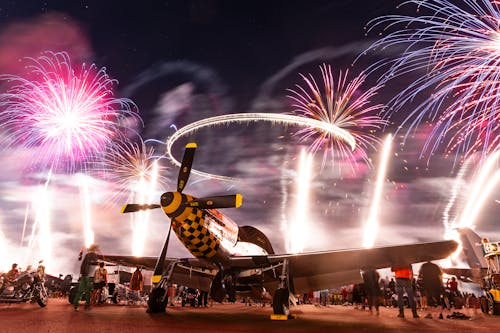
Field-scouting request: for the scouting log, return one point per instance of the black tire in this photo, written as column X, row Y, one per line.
column 115, row 298
column 72, row 294
column 491, row 304
column 155, row 303
column 483, row 302
column 43, row 298
column 281, row 302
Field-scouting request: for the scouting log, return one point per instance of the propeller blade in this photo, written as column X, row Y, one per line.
column 187, row 162
column 160, row 263
column 131, row 208
column 223, row 201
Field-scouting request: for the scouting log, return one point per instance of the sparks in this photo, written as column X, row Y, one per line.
column 68, row 115
column 457, row 46
column 371, row 225
column 297, row 231
column 339, row 106
column 282, row 119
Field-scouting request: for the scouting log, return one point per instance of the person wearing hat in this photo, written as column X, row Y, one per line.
column 86, row 276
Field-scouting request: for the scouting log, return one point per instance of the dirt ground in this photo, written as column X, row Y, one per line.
column 59, row 316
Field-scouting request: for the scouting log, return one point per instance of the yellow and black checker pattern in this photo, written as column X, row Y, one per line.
column 196, row 237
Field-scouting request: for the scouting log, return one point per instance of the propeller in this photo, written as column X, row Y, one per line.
column 212, row 202
column 131, row 208
column 187, row 162
column 222, row 201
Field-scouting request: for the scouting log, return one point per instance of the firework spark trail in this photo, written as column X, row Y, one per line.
column 135, row 171
column 338, row 105
column 449, row 223
column 371, row 225
column 68, row 115
column 26, row 213
column 41, row 235
column 146, row 192
column 459, row 48
column 483, row 185
column 297, row 235
column 128, row 165
column 85, row 205
column 282, row 119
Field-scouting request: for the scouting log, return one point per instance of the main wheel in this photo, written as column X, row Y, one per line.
column 483, row 302
column 157, row 301
column 493, row 307
column 281, row 304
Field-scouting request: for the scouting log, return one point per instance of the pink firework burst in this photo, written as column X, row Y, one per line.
column 67, row 115
column 343, row 104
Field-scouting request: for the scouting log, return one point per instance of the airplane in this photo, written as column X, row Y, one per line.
column 472, row 254
column 230, row 259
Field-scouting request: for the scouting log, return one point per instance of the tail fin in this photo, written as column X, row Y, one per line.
column 472, row 248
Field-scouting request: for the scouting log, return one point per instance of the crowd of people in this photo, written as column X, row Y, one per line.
column 421, row 292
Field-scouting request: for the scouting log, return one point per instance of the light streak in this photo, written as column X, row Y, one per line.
column 40, row 243
column 281, row 119
column 372, row 224
column 297, row 231
column 487, row 178
column 26, row 213
column 146, row 192
column 457, row 46
column 448, row 222
column 86, row 207
column 482, row 187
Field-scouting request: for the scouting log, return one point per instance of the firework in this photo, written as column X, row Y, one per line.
column 128, row 166
column 282, row 119
column 458, row 47
column 85, row 204
column 372, row 223
column 343, row 105
column 482, row 186
column 69, row 115
column 297, row 228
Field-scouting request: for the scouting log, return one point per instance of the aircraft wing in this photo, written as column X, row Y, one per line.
column 322, row 270
column 189, row 272
column 311, row 271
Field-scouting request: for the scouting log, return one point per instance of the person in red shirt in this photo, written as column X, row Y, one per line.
column 453, row 285
column 13, row 273
column 404, row 279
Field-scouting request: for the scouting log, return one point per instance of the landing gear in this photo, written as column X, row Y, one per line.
column 281, row 302
column 158, row 297
column 281, row 298
column 158, row 300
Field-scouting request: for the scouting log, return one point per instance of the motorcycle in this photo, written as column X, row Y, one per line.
column 27, row 287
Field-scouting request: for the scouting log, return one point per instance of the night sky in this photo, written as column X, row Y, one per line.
column 182, row 61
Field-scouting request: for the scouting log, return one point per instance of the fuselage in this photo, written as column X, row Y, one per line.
column 206, row 233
